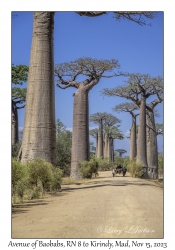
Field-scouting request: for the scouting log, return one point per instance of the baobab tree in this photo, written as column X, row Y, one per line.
column 39, row 135
column 67, row 74
column 18, row 100
column 130, row 108
column 94, row 133
column 114, row 133
column 134, row 16
column 110, row 129
column 39, row 138
column 19, row 76
column 138, row 88
column 120, row 151
column 107, row 120
column 151, row 132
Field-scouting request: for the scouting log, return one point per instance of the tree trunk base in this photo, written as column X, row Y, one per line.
column 145, row 172
column 152, row 173
column 75, row 171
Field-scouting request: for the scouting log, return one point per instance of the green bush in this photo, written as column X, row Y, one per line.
column 34, row 178
column 126, row 163
column 88, row 168
column 20, row 178
column 57, row 175
column 135, row 168
column 40, row 172
column 15, row 149
column 160, row 163
column 118, row 160
column 104, row 164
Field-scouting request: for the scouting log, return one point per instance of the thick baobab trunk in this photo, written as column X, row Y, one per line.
column 109, row 148
column 80, row 133
column 152, row 153
column 39, row 136
column 14, row 123
column 112, row 149
column 96, row 151
column 141, row 146
column 100, row 140
column 133, row 139
column 106, row 145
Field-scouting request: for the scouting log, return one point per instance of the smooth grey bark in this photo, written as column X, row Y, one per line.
column 39, row 136
column 96, row 152
column 109, row 148
column 14, row 123
column 80, row 133
column 112, row 149
column 100, row 140
column 152, row 151
column 133, row 139
column 106, row 144
column 141, row 145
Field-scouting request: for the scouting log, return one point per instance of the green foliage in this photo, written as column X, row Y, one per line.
column 20, row 178
column 19, row 74
column 64, row 143
column 57, row 175
column 118, row 160
column 40, row 171
column 88, row 168
column 126, row 162
column 134, row 168
column 104, row 163
column 18, row 93
column 15, row 149
column 92, row 150
column 33, row 178
column 160, row 163
column 120, row 151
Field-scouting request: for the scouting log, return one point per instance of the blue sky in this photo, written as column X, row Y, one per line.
column 139, row 49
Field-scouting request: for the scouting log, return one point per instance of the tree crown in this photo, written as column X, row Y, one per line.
column 93, row 69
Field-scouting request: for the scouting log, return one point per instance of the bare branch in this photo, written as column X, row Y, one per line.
column 134, row 16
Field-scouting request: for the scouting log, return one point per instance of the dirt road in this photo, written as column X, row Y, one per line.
column 105, row 207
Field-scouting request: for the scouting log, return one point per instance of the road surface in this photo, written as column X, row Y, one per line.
column 103, row 207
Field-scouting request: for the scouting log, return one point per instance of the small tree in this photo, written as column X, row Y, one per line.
column 67, row 74
column 120, row 151
column 64, row 143
column 19, row 76
column 94, row 133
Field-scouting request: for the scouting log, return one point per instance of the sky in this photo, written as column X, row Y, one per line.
column 138, row 49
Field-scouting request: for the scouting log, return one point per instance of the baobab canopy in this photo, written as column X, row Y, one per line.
column 68, row 72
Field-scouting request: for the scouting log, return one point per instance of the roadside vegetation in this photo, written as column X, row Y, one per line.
column 31, row 180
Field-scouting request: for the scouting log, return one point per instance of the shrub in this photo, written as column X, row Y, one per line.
column 133, row 167
column 118, row 160
column 104, row 164
column 20, row 178
column 40, row 172
column 126, row 163
column 15, row 149
column 88, row 168
column 34, row 178
column 57, row 175
column 160, row 163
